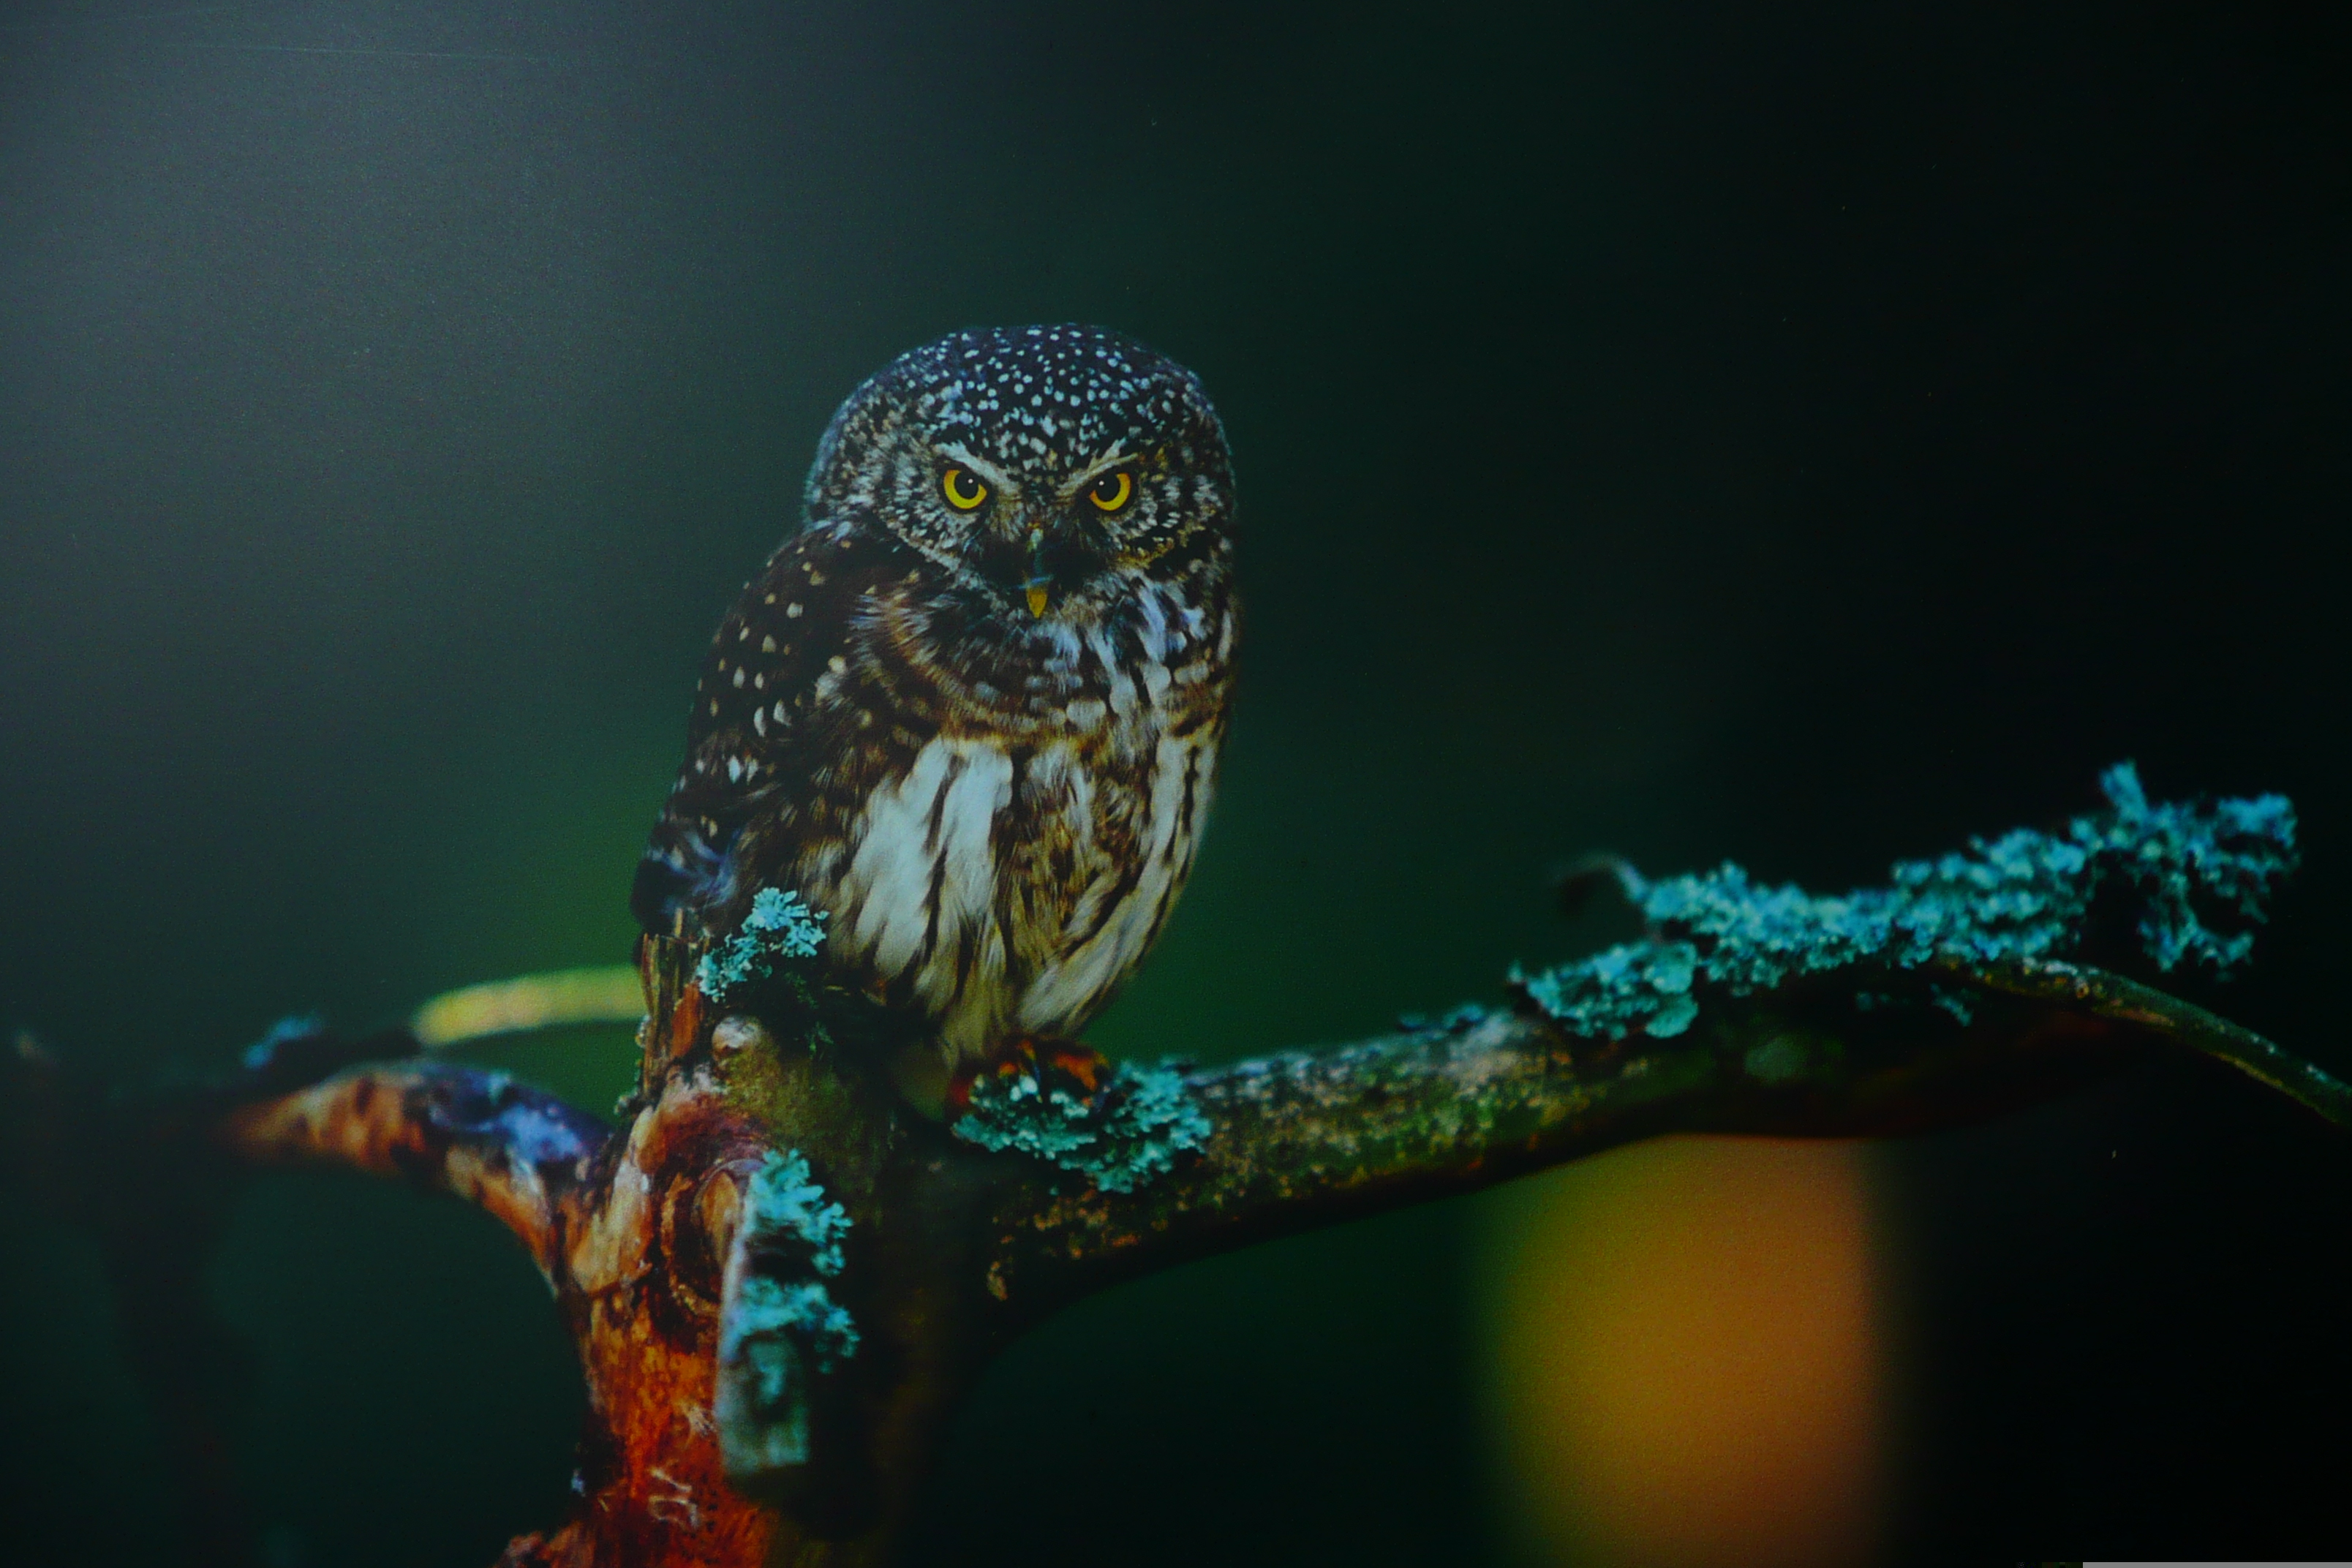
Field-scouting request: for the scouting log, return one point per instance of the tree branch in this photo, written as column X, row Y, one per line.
column 1306, row 1139
column 781, row 1276
column 518, row 1152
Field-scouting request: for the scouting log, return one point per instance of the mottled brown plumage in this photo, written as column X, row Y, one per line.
column 982, row 735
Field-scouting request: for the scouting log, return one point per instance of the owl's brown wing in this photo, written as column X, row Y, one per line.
column 760, row 734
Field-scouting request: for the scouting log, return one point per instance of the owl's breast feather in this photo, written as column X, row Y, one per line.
column 921, row 873
column 1009, row 878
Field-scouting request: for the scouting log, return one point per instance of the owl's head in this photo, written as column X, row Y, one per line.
column 1042, row 470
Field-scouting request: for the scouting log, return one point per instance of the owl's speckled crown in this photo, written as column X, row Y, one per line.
column 1061, row 397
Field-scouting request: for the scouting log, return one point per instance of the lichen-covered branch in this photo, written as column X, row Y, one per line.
column 1308, row 1138
column 780, row 1276
column 1746, row 1008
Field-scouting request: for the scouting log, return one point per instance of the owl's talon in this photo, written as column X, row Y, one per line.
column 1075, row 1069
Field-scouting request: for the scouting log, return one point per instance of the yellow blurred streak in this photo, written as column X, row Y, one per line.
column 1684, row 1357
column 608, row 994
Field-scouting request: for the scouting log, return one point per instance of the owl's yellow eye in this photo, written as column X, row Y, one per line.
column 1112, row 491
column 963, row 489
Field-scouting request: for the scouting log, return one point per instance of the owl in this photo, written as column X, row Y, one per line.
column 971, row 710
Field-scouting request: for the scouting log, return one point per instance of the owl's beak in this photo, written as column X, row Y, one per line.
column 1034, row 585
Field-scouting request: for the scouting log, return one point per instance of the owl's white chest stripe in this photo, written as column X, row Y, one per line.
column 924, row 872
column 919, row 901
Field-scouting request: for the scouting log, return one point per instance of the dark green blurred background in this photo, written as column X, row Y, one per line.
column 1806, row 433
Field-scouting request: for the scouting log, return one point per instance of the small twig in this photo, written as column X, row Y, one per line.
column 2104, row 994
column 561, row 998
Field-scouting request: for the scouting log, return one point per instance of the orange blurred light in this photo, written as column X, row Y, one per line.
column 1684, row 1357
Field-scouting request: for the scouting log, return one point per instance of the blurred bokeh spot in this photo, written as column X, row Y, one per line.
column 1684, row 1357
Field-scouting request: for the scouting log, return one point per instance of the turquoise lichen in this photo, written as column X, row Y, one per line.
column 791, row 1237
column 1468, row 1016
column 1957, row 1003
column 2023, row 897
column 775, row 1332
column 2231, row 852
column 780, row 928
column 1119, row 1139
column 771, row 1317
column 1644, row 985
column 261, row 1055
column 785, row 1200
column 782, row 1324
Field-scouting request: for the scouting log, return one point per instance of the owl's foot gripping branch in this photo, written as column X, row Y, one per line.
column 781, row 1276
